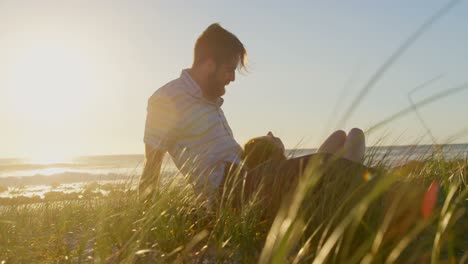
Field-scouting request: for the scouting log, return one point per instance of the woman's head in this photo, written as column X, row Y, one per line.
column 261, row 149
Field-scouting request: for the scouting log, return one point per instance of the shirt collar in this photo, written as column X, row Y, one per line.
column 194, row 89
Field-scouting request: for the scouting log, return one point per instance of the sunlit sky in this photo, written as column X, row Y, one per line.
column 75, row 76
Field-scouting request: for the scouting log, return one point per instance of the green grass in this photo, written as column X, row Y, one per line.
column 328, row 218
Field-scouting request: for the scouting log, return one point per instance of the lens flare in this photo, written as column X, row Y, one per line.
column 367, row 176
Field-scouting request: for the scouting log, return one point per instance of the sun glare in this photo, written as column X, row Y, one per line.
column 48, row 88
column 48, row 82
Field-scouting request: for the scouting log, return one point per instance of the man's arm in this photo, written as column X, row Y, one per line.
column 149, row 180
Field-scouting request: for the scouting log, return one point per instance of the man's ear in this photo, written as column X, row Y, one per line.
column 210, row 64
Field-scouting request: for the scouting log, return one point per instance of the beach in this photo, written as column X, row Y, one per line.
column 22, row 177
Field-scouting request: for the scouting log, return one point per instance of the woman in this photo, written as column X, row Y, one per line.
column 267, row 174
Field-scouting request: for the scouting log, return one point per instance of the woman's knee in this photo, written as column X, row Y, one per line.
column 355, row 146
column 340, row 135
column 334, row 142
column 356, row 133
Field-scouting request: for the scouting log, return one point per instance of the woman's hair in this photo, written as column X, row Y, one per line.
column 219, row 44
column 261, row 149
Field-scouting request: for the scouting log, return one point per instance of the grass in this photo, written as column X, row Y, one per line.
column 415, row 214
column 331, row 217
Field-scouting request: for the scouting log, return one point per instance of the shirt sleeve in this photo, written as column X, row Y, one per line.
column 161, row 119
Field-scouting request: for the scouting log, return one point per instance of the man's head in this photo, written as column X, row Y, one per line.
column 217, row 55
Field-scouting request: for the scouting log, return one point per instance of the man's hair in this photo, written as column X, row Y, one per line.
column 219, row 44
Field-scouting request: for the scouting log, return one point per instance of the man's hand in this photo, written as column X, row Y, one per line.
column 149, row 180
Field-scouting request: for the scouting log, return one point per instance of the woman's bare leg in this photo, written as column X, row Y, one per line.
column 334, row 143
column 350, row 147
column 355, row 145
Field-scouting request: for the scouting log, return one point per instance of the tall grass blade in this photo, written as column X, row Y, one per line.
column 393, row 58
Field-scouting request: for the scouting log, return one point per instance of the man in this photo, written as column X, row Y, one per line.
column 184, row 118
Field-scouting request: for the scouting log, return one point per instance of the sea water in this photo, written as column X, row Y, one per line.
column 26, row 177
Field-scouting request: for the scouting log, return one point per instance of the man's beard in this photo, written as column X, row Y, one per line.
column 214, row 88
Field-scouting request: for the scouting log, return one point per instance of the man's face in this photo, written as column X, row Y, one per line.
column 222, row 75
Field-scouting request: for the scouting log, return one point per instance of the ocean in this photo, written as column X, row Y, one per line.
column 27, row 177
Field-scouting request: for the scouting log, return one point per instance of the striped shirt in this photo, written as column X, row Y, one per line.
column 193, row 130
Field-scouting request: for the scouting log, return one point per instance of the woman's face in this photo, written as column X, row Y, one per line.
column 262, row 149
column 274, row 140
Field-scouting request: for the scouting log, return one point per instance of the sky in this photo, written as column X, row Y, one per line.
column 75, row 76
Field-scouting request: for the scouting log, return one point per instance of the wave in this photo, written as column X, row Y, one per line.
column 35, row 166
column 14, row 172
column 65, row 177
